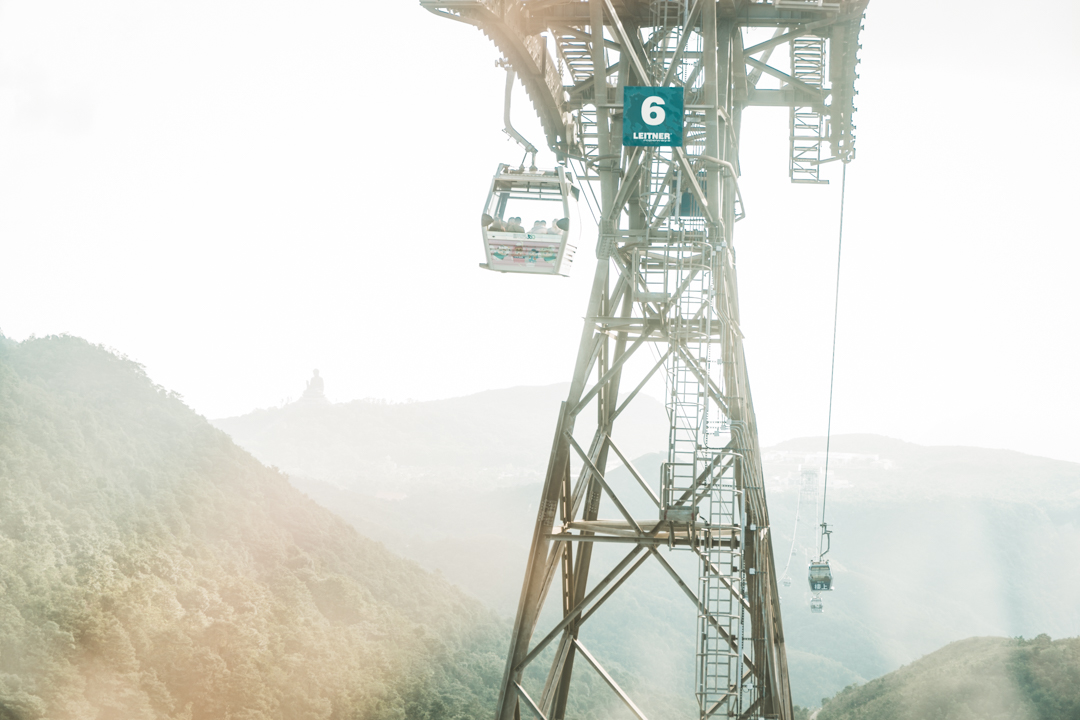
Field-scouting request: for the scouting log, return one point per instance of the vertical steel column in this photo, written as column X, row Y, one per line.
column 709, row 60
column 576, row 583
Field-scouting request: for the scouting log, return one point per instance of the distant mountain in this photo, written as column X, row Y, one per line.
column 931, row 544
column 150, row 568
column 982, row 678
column 497, row 438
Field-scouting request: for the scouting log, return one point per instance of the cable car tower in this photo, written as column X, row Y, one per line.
column 606, row 77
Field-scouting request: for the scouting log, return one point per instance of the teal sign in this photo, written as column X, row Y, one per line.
column 653, row 116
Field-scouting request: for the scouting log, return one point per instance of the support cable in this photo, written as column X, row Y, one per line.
column 587, row 185
column 794, row 534
column 832, row 371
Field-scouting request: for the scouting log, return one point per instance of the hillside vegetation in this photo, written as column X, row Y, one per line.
column 973, row 679
column 150, row 568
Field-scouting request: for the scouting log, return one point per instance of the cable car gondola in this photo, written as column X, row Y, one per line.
column 816, row 605
column 820, row 576
column 529, row 220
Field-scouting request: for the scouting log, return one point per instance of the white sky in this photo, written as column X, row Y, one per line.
column 234, row 192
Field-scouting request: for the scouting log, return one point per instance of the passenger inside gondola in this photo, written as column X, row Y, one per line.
column 559, row 226
column 536, row 245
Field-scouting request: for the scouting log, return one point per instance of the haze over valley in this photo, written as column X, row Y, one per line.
column 932, row 544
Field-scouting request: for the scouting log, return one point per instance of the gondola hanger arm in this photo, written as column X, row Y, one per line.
column 508, row 127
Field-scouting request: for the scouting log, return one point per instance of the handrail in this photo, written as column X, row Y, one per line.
column 734, row 177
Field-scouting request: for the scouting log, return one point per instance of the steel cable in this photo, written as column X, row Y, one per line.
column 832, row 368
column 794, row 534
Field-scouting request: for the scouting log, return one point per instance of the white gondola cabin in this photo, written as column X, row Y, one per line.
column 530, row 220
column 816, row 605
column 820, row 576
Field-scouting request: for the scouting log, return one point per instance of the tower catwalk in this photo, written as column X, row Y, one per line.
column 665, row 277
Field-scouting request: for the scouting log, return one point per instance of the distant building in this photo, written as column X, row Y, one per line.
column 314, row 391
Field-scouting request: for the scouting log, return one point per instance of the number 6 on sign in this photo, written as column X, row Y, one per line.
column 651, row 112
column 653, row 116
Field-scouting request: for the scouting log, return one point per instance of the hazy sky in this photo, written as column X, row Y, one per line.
column 234, row 193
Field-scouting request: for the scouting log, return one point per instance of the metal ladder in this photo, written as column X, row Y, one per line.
column 808, row 131
column 717, row 663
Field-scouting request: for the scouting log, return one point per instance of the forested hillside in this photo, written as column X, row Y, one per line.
column 150, row 568
column 975, row 679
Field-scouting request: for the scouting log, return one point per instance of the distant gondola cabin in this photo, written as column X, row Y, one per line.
column 820, row 576
column 530, row 221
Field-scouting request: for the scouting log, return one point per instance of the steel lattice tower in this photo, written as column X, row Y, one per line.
column 666, row 276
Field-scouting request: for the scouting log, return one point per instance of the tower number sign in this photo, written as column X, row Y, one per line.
column 653, row 116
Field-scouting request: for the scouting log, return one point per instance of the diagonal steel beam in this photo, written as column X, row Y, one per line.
column 634, row 164
column 754, row 75
column 798, row 32
column 720, row 576
column 633, row 471
column 649, row 309
column 578, row 34
column 604, row 484
column 690, row 277
column 685, row 497
column 613, row 372
column 815, row 92
column 695, row 188
column 529, row 701
column 628, row 44
column 673, row 66
column 648, row 376
column 547, row 697
column 705, row 489
column 569, row 617
column 732, row 642
column 611, row 590
column 750, row 711
column 667, row 183
column 704, row 379
column 716, row 706
column 582, row 482
column 610, row 681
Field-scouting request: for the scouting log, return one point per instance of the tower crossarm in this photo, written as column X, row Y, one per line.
column 559, row 75
column 507, row 24
column 844, row 60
